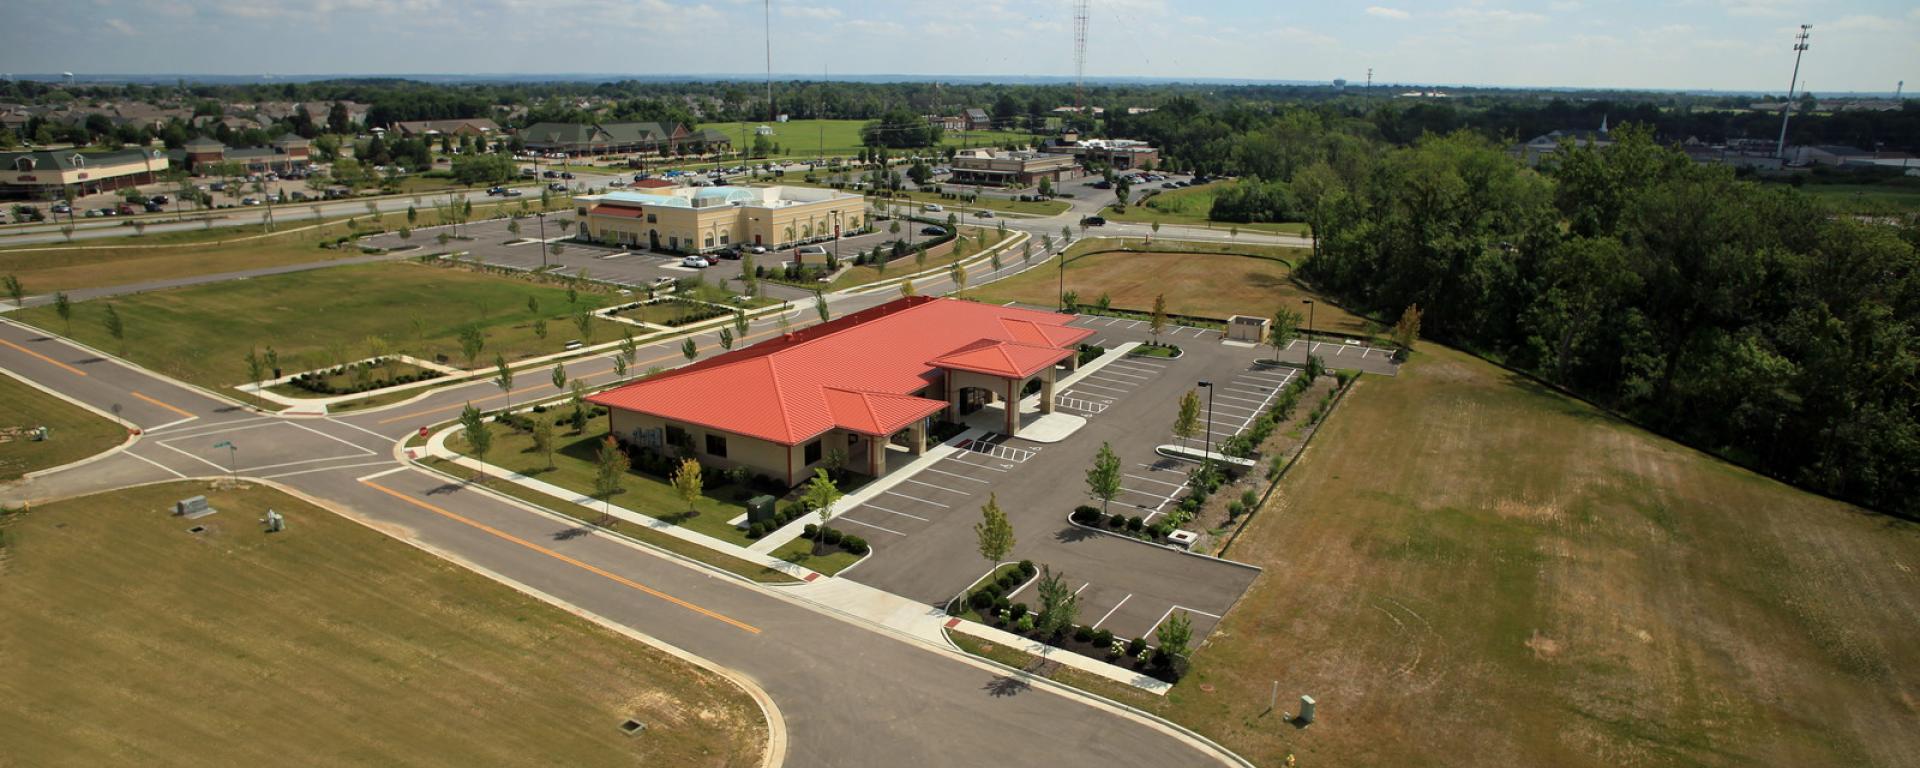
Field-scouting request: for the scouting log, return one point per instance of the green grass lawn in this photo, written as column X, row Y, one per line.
column 573, row 462
column 800, row 552
column 1185, row 207
column 856, row 276
column 803, row 139
column 75, row 433
column 201, row 334
column 1868, row 198
column 1505, row 576
column 329, row 641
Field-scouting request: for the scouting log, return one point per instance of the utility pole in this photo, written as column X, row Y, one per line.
column 1786, row 109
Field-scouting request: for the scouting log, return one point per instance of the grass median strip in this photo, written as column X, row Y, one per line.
column 73, row 433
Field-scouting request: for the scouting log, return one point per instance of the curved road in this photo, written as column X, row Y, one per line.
column 850, row 694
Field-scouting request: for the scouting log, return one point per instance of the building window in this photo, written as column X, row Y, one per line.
column 725, row 237
column 679, row 438
column 652, row 219
column 709, row 240
column 813, row 452
column 716, row 446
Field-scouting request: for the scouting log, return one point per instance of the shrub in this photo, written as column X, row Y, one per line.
column 980, row 600
column 1001, row 605
column 1027, row 569
column 994, row 588
column 1136, row 646
column 1024, row 623
column 832, row 535
column 757, row 530
column 1102, row 638
column 1135, row 523
column 1018, row 610
column 855, row 545
column 1116, row 522
column 1084, row 515
column 1083, row 633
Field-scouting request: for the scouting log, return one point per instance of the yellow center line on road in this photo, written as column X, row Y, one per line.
column 70, row 369
column 595, row 570
column 181, row 411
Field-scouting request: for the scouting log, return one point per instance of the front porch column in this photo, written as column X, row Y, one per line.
column 1073, row 361
column 1012, row 405
column 1046, row 392
column 953, row 404
column 876, row 456
column 918, row 433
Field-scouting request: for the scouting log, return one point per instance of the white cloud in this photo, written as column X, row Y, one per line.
column 121, row 26
column 809, row 12
column 1387, row 13
column 1492, row 15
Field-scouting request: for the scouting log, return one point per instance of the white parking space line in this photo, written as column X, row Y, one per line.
column 1137, row 361
column 1269, row 377
column 916, row 498
column 955, row 474
column 870, row 525
column 956, row 459
column 1243, row 391
column 1151, row 480
column 1232, row 407
column 1109, row 370
column 937, row 487
column 1239, row 399
column 1083, row 383
column 1116, row 608
column 1148, row 494
column 893, row 512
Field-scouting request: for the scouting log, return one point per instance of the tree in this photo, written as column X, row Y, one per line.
column 479, row 436
column 472, row 341
column 628, row 349
column 1175, row 634
column 116, row 328
column 63, row 307
column 620, row 366
column 609, row 466
column 15, row 291
column 820, row 495
column 690, row 349
column 540, row 328
column 1158, row 322
column 543, row 437
column 559, row 377
column 1046, row 187
column 1187, row 424
column 726, row 338
column 503, row 378
column 906, row 287
column 994, row 533
column 577, row 394
column 1103, row 480
column 687, row 483
column 1059, row 606
column 255, row 367
column 583, row 320
column 1407, row 330
column 959, row 275
column 820, row 307
column 1286, row 326
column 1122, row 190
column 740, row 325
column 533, row 304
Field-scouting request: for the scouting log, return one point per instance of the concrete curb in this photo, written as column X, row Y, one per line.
column 132, row 435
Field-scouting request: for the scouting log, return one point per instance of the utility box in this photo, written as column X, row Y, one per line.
column 1306, row 710
column 193, row 507
column 759, row 508
column 1248, row 328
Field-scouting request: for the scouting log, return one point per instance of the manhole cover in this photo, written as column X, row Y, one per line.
column 632, row 727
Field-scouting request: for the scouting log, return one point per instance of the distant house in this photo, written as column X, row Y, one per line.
column 475, row 126
column 978, row 119
column 1118, row 154
column 1011, row 169
column 1545, row 145
column 948, row 122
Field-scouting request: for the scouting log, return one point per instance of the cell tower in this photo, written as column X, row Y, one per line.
column 1080, row 54
column 1786, row 110
column 766, row 9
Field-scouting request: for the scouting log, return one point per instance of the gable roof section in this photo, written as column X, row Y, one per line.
column 858, row 373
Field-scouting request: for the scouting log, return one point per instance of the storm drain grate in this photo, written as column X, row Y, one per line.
column 632, row 727
column 197, row 529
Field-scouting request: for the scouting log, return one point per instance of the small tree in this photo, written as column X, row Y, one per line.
column 116, row 328
column 543, row 438
column 63, row 307
column 578, row 397
column 1059, row 606
column 628, row 349
column 906, row 287
column 726, row 338
column 609, row 465
column 619, row 366
column 1187, row 423
column 533, row 305
column 740, row 325
column 15, row 290
column 1159, row 321
column 540, row 328
column 1286, row 326
column 994, row 533
column 503, row 378
column 1407, row 331
column 559, row 377
column 472, row 341
column 1175, row 634
column 690, row 349
column 1103, row 480
column 255, row 367
column 820, row 307
column 479, row 435
column 821, row 493
column 583, row 321
column 687, row 483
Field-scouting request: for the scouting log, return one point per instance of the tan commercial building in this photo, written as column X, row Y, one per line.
column 1011, row 169
column 704, row 219
column 1118, row 154
column 67, row 173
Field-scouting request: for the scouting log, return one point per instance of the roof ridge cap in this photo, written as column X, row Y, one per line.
column 779, row 394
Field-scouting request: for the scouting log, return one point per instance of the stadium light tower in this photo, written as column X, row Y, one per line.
column 1080, row 54
column 1786, row 110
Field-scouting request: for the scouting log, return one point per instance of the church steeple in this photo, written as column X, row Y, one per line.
column 1603, row 123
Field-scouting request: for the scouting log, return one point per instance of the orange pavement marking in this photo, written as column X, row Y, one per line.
column 622, row 580
column 182, row 412
column 69, row 368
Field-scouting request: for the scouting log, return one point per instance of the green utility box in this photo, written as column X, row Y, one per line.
column 759, row 508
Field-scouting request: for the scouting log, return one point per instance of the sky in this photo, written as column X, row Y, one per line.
column 1857, row 45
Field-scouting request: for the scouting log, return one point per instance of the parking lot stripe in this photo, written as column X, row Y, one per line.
column 1145, row 363
column 1097, row 386
column 958, row 475
column 918, row 499
column 931, row 485
column 1116, row 607
column 1109, row 371
column 893, row 512
column 1268, row 376
column 1151, row 480
column 869, row 525
column 1241, row 399
column 956, row 458
column 1112, row 383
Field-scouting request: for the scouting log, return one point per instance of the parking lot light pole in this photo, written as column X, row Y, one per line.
column 1309, row 303
column 1208, row 448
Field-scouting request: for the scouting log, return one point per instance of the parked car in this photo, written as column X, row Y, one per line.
column 153, row 207
column 566, row 174
column 124, row 209
column 933, row 231
column 755, row 249
column 932, row 208
column 984, row 214
column 697, row 262
column 93, row 213
column 557, row 187
column 662, row 282
column 511, row 193
column 551, row 174
column 161, row 199
column 249, row 201
column 491, row 191
column 1093, row 221
column 62, row 207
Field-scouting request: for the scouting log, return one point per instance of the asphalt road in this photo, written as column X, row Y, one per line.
column 850, row 694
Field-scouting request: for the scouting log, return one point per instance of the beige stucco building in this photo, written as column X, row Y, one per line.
column 703, row 219
column 67, row 173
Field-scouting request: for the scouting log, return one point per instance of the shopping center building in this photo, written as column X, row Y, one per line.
column 704, row 219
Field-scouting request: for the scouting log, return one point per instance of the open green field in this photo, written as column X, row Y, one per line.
column 573, row 469
column 1184, row 207
column 135, row 258
column 329, row 642
column 1466, row 569
column 1205, row 285
column 75, row 432
column 802, row 139
column 201, row 334
column 1868, row 198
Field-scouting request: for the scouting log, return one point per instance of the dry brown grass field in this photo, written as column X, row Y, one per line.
column 126, row 640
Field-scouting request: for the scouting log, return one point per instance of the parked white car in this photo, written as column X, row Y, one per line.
column 932, row 208
column 696, row 262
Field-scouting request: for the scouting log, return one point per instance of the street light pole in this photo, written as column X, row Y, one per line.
column 1207, row 450
column 1309, row 303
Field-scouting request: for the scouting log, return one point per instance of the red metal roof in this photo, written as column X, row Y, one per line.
column 858, row 373
column 616, row 210
column 652, row 184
